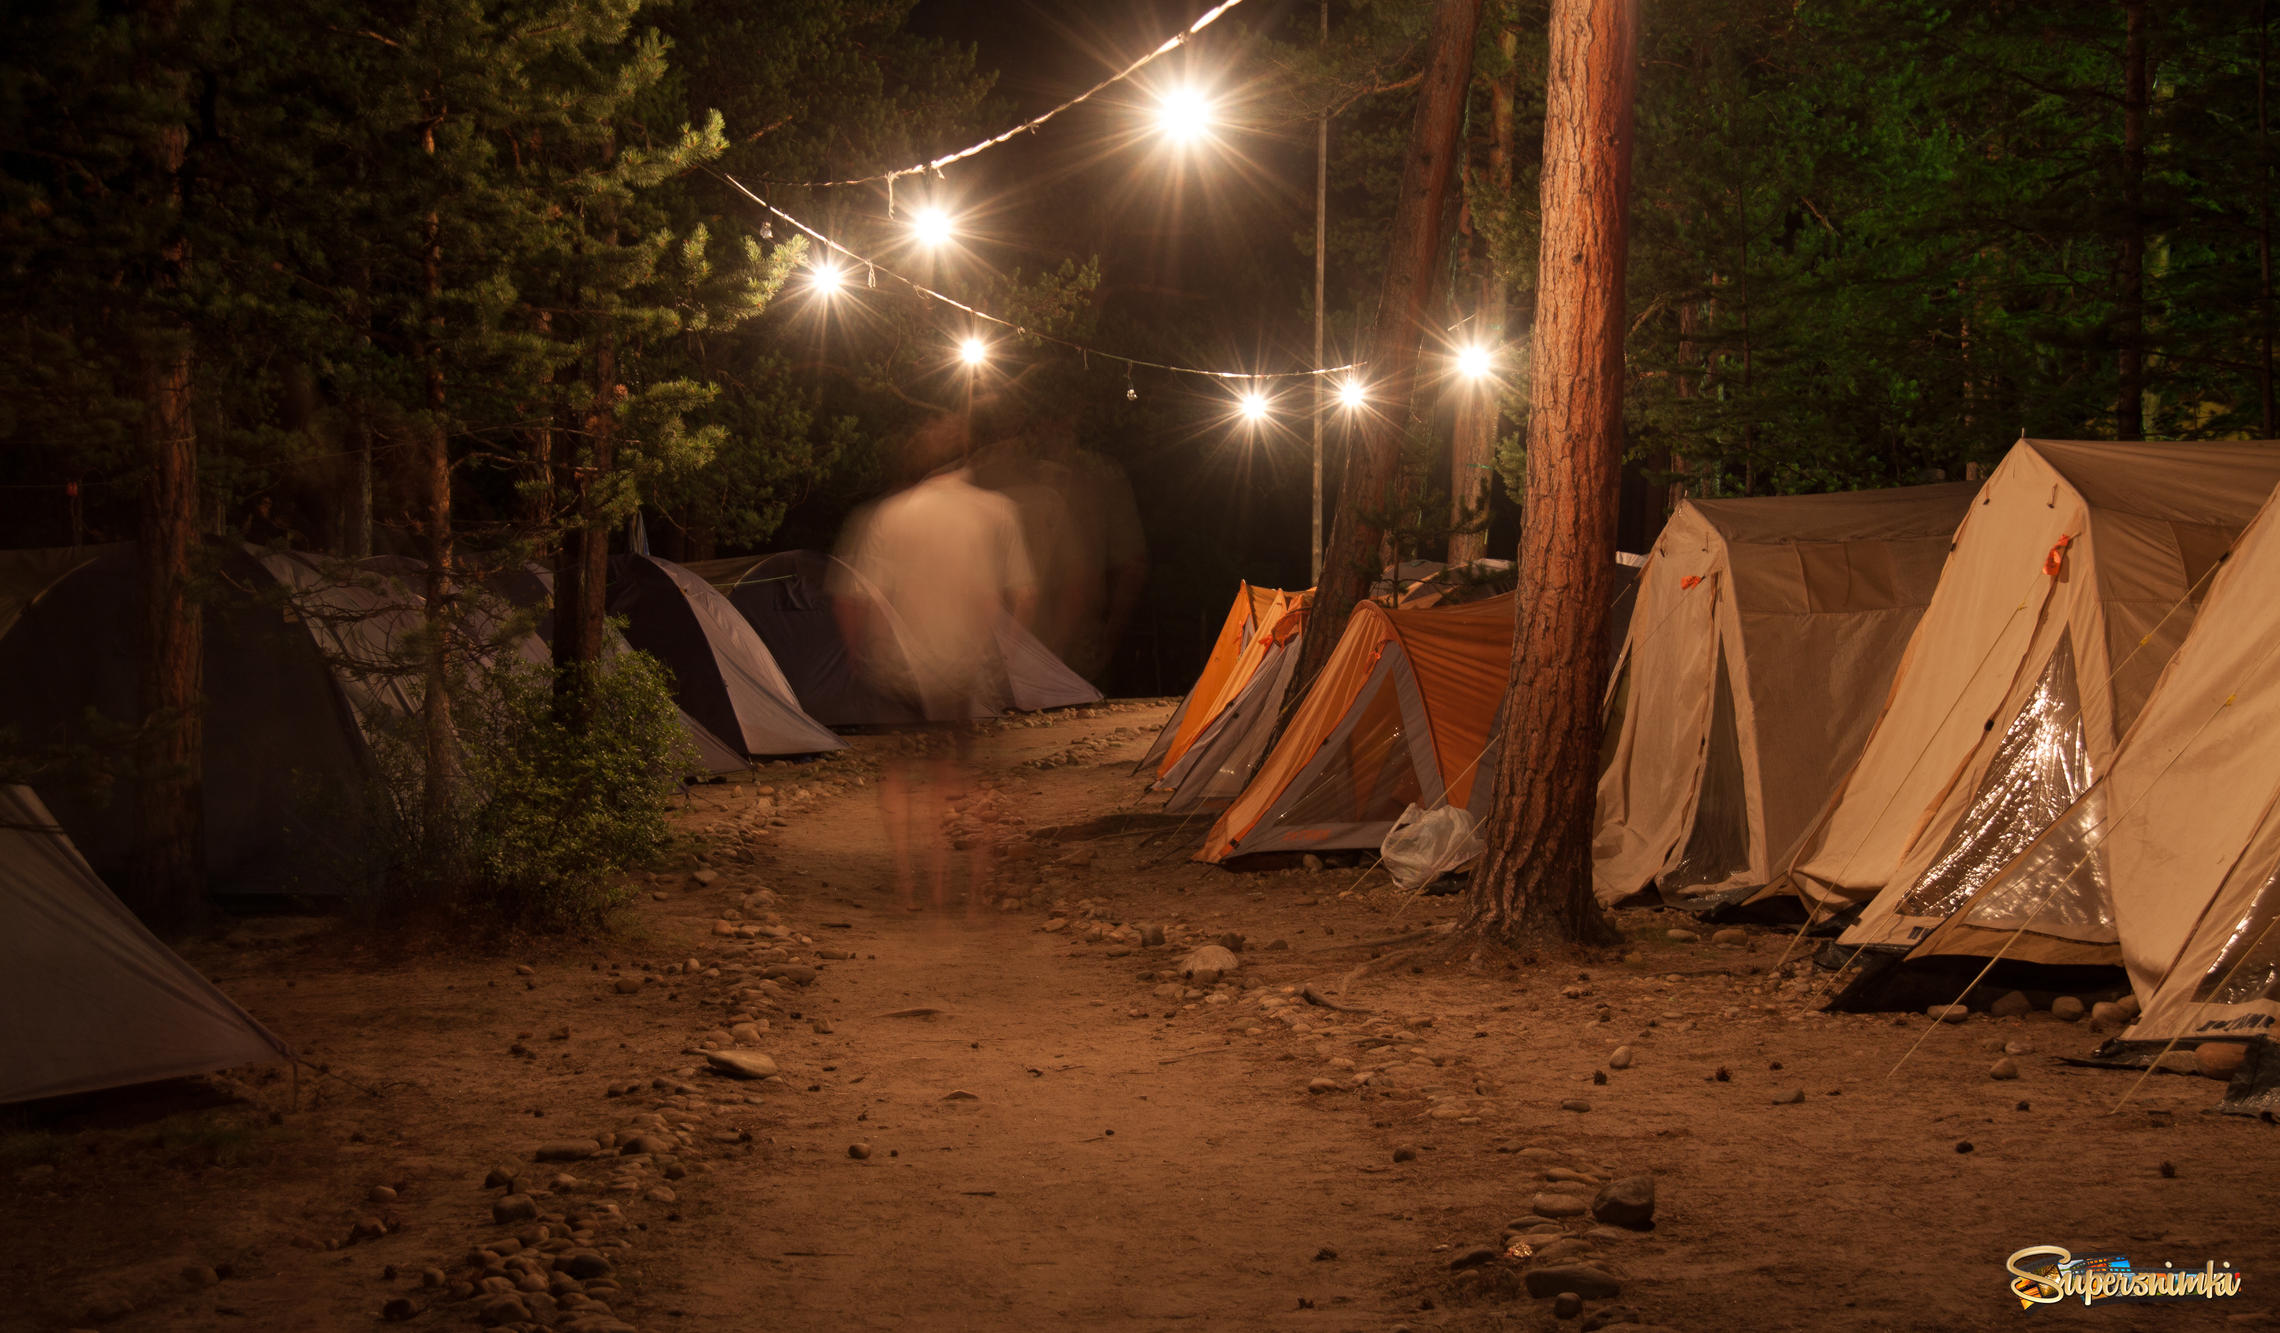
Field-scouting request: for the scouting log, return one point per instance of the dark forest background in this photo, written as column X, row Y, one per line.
column 1875, row 241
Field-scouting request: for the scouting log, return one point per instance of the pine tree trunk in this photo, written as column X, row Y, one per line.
column 581, row 577
column 169, row 858
column 1366, row 495
column 2129, row 399
column 2265, row 396
column 440, row 757
column 1472, row 459
column 1534, row 883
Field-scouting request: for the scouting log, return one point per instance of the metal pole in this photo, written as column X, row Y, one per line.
column 1321, row 243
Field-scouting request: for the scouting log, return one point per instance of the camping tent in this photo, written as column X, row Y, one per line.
column 787, row 599
column 2074, row 577
column 1404, row 711
column 1763, row 633
column 284, row 757
column 89, row 998
column 532, row 586
column 1219, row 762
column 2168, row 864
column 723, row 674
column 1252, row 610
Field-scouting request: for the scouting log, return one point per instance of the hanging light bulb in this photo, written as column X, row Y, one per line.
column 1475, row 361
column 932, row 227
column 826, row 276
column 973, row 351
column 1254, row 406
column 1351, row 394
column 1183, row 115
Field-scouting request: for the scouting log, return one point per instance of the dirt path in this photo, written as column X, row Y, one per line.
column 1124, row 1150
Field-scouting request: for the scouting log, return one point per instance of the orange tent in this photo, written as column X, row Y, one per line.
column 1225, row 672
column 1404, row 711
column 1218, row 763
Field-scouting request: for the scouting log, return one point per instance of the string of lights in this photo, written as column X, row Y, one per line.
column 1178, row 104
column 828, row 276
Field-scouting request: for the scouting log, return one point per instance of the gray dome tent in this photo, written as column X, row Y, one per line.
column 89, row 999
column 723, row 675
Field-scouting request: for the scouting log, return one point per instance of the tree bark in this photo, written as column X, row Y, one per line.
column 440, row 757
column 581, row 575
column 1534, row 883
column 2265, row 396
column 2129, row 398
column 1472, row 458
column 169, row 858
column 1366, row 492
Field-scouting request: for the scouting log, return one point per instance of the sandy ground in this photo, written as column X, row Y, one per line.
column 1023, row 1118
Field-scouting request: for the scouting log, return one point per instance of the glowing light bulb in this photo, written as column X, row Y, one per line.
column 932, row 227
column 826, row 277
column 973, row 351
column 1475, row 361
column 1254, row 404
column 1351, row 394
column 1184, row 115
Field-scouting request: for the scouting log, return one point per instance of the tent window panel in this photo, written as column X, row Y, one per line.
column 2247, row 969
column 1718, row 846
column 2059, row 885
column 2199, row 547
column 2040, row 769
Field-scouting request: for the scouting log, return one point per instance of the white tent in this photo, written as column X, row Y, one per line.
column 1764, row 632
column 2073, row 580
column 89, row 998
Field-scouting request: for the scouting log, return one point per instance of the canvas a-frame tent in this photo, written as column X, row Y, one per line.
column 1251, row 612
column 723, row 675
column 1404, row 712
column 90, row 999
column 1219, row 762
column 1764, row 632
column 2170, row 864
column 2074, row 578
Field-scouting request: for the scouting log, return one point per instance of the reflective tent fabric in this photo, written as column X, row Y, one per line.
column 286, row 767
column 1763, row 633
column 1036, row 678
column 2167, row 864
column 723, row 674
column 1403, row 712
column 2074, row 577
column 88, row 998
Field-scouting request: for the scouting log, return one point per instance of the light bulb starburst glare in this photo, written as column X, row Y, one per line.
column 973, row 351
column 932, row 227
column 1351, row 394
column 1475, row 362
column 1254, row 405
column 826, row 277
column 1184, row 115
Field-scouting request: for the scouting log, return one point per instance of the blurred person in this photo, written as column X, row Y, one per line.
column 943, row 562
column 1084, row 536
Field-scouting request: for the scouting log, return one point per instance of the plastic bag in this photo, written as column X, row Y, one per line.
column 1424, row 845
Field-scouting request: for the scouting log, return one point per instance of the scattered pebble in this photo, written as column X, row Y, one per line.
column 2005, row 1068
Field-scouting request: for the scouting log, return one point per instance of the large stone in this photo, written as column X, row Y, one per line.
column 1206, row 965
column 1733, row 935
column 1621, row 1059
column 2003, row 1069
column 798, row 974
column 2011, row 1004
column 1948, row 1013
column 1629, row 1202
column 1558, row 1205
column 584, row 1265
column 742, row 1064
column 2130, row 1008
column 513, row 1208
column 566, row 1150
column 504, row 1308
column 2067, row 1009
column 2218, row 1059
column 1567, row 1305
column 1592, row 1284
